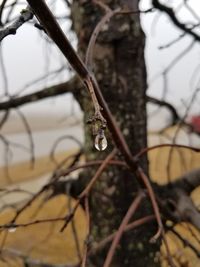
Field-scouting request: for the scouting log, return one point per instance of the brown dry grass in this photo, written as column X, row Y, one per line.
column 44, row 241
column 24, row 171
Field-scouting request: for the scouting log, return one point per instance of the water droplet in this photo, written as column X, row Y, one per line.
column 100, row 142
column 12, row 229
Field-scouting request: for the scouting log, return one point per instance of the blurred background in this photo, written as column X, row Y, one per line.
column 30, row 62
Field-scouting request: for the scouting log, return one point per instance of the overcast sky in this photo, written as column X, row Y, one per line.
column 25, row 56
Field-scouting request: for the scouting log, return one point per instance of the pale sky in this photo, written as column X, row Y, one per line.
column 25, row 57
column 26, row 52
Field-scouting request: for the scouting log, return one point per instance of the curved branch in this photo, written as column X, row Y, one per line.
column 25, row 16
column 47, row 19
column 170, row 107
column 169, row 11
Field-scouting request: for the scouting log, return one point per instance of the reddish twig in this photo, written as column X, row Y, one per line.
column 127, row 228
column 89, row 187
column 147, row 149
column 177, row 132
column 154, row 205
column 48, row 21
column 73, row 225
column 87, row 211
column 55, row 32
column 133, row 207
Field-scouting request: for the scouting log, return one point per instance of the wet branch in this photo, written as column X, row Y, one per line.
column 62, row 88
column 11, row 29
column 171, row 14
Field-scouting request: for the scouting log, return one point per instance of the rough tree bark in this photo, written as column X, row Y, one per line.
column 120, row 70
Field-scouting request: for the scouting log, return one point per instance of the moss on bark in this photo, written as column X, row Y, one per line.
column 120, row 70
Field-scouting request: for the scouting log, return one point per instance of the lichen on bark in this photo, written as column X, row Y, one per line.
column 120, row 70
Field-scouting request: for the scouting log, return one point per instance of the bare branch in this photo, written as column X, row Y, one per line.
column 146, row 150
column 132, row 209
column 189, row 181
column 169, row 11
column 90, row 50
column 29, row 134
column 170, row 107
column 132, row 225
column 55, row 32
column 62, row 88
column 25, row 16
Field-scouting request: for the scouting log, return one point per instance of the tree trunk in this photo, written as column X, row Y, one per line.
column 120, row 70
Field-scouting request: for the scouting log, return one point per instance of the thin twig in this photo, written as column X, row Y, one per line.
column 90, row 49
column 87, row 211
column 127, row 228
column 170, row 13
column 89, row 187
column 48, row 21
column 147, row 149
column 133, row 207
column 25, row 16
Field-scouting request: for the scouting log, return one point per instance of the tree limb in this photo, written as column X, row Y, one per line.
column 169, row 11
column 25, row 16
column 73, row 87
column 176, row 201
column 62, row 88
column 189, row 181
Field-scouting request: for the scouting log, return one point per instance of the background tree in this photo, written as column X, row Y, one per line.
column 111, row 45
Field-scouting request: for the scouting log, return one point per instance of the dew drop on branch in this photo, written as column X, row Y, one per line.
column 100, row 142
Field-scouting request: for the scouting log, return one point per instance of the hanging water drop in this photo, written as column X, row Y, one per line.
column 12, row 229
column 100, row 142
